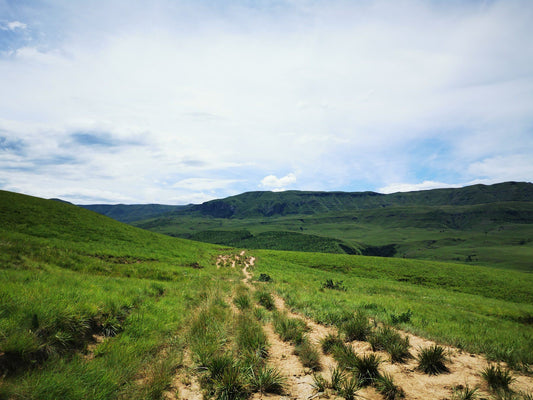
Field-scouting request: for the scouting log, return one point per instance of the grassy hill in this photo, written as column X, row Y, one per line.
column 94, row 308
column 488, row 225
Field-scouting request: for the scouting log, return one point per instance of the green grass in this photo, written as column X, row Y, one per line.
column 480, row 225
column 478, row 309
column 497, row 377
column 432, row 360
column 67, row 274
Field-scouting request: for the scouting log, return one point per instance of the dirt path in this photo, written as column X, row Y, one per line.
column 464, row 367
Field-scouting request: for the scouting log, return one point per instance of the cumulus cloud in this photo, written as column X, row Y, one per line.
column 275, row 183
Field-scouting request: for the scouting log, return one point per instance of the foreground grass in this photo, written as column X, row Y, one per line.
column 477, row 309
column 69, row 276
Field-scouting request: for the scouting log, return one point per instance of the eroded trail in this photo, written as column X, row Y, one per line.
column 464, row 368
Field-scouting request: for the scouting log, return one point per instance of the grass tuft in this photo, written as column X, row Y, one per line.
column 431, row 360
column 356, row 328
column 289, row 329
column 349, row 388
column 366, row 369
column 328, row 342
column 265, row 299
column 308, row 355
column 497, row 377
column 266, row 380
column 385, row 385
column 465, row 393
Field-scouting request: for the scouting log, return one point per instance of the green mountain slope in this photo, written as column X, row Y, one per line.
column 94, row 308
column 489, row 225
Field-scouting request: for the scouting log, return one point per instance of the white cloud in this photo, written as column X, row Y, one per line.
column 338, row 92
column 273, row 182
column 410, row 187
column 13, row 25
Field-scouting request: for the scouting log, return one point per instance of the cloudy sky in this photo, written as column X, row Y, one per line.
column 180, row 102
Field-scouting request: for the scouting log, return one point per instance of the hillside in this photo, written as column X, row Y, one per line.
column 94, row 308
column 489, row 225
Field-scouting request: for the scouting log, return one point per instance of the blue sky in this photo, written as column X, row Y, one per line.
column 180, row 102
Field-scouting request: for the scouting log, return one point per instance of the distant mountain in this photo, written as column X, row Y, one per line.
column 134, row 212
column 486, row 224
column 269, row 204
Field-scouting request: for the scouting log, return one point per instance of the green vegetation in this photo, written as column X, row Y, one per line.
column 89, row 307
column 465, row 393
column 386, row 386
column 93, row 308
column 481, row 310
column 432, row 360
column 497, row 377
column 485, row 225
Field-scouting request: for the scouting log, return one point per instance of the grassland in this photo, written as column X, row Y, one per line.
column 93, row 308
column 71, row 278
column 498, row 235
column 481, row 310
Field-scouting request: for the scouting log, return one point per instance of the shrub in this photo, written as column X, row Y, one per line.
column 431, row 360
column 356, row 328
column 329, row 341
column 266, row 300
column 464, row 393
column 308, row 355
column 266, row 380
column 401, row 318
column 385, row 385
column 496, row 377
column 264, row 278
column 329, row 284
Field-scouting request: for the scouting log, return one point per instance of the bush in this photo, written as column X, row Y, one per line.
column 329, row 284
column 264, row 278
column 338, row 376
column 231, row 385
column 431, row 360
column 250, row 337
column 320, row 384
column 345, row 356
column 349, row 388
column 266, row 300
column 401, row 318
column 497, row 378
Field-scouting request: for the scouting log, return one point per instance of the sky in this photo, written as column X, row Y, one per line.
column 179, row 102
